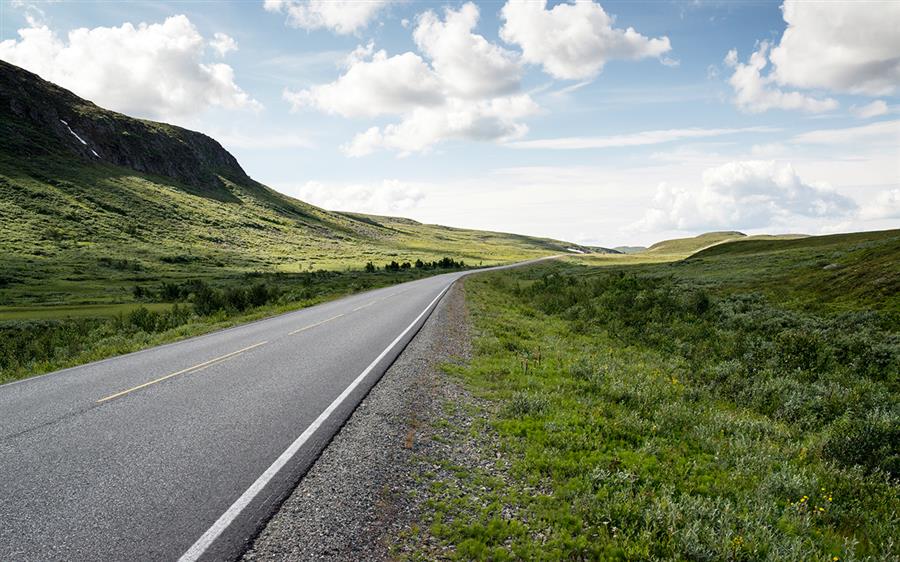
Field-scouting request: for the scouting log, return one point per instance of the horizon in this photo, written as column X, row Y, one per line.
column 703, row 117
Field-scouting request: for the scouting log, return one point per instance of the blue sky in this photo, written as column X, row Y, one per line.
column 541, row 119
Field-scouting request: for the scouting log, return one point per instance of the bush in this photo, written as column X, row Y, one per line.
column 872, row 442
column 526, row 404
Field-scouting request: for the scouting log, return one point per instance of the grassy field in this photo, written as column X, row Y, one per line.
column 42, row 339
column 739, row 405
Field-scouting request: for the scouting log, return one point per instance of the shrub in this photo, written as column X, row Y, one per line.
column 526, row 404
column 872, row 442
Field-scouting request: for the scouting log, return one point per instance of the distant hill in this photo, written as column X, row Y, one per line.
column 93, row 202
column 688, row 246
column 856, row 267
column 602, row 250
column 696, row 243
column 629, row 249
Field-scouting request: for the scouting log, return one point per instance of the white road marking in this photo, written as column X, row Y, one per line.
column 222, row 523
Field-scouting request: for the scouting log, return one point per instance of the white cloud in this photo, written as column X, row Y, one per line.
column 487, row 120
column 642, row 138
column 151, row 70
column 223, row 44
column 466, row 89
column 469, row 65
column 743, row 195
column 377, row 86
column 886, row 205
column 386, row 197
column 874, row 109
column 340, row 16
column 874, row 134
column 756, row 93
column 573, row 41
column 840, row 46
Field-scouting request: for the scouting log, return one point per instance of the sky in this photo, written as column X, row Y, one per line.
column 603, row 123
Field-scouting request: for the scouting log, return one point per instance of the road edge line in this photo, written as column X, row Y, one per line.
column 206, row 540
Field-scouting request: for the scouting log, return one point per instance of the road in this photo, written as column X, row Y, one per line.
column 184, row 450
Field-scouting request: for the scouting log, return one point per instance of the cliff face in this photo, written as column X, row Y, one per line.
column 39, row 117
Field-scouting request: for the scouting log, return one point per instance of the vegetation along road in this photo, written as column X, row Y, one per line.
column 184, row 449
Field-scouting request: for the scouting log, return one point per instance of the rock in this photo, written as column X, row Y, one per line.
column 41, row 118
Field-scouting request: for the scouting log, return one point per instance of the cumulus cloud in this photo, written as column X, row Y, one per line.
column 756, row 93
column 573, row 41
column 386, row 197
column 469, row 65
column 486, row 120
column 843, row 47
column 840, row 46
column 374, row 84
column 223, row 44
column 744, row 195
column 464, row 88
column 874, row 109
column 340, row 16
column 149, row 70
column 886, row 205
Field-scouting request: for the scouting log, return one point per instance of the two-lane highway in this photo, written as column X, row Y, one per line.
column 184, row 450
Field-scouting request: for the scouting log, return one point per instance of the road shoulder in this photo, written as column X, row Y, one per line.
column 360, row 496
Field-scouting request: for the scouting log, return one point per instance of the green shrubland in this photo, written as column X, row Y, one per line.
column 170, row 310
column 682, row 412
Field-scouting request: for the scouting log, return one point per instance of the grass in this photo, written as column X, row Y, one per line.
column 684, row 410
column 42, row 339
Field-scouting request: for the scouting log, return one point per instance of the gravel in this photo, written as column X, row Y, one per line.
column 367, row 489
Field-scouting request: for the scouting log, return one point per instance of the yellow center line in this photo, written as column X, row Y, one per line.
column 181, row 372
column 314, row 325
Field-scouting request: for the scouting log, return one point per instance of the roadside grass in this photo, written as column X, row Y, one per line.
column 8, row 313
column 641, row 412
column 43, row 339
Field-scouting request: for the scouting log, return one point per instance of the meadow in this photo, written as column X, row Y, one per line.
column 741, row 404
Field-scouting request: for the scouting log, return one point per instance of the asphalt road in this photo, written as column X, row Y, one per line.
column 185, row 450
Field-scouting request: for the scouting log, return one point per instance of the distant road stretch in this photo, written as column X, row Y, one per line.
column 184, row 450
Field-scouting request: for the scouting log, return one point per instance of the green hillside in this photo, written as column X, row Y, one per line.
column 93, row 202
column 834, row 270
column 686, row 246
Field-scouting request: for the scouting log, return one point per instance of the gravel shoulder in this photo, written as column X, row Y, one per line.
column 367, row 490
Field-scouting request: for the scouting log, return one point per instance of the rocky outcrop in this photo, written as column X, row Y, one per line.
column 96, row 134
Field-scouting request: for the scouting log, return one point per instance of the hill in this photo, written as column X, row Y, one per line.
column 688, row 246
column 862, row 268
column 630, row 249
column 693, row 244
column 94, row 202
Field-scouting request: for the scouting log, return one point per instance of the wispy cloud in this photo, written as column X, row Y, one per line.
column 642, row 138
column 881, row 131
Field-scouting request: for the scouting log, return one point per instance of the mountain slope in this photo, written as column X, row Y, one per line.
column 93, row 202
column 687, row 246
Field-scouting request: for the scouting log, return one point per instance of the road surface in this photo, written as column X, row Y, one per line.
column 184, row 450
